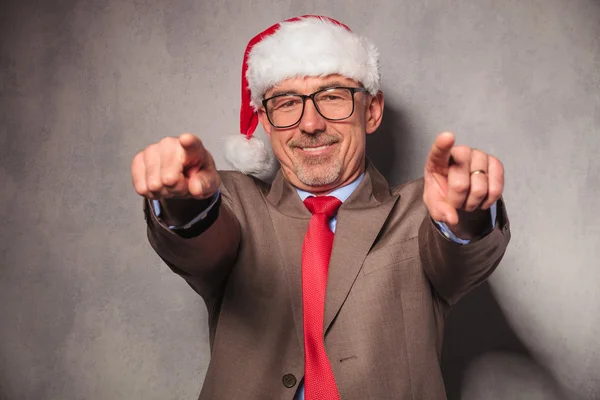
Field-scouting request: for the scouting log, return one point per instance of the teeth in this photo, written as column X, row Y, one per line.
column 314, row 148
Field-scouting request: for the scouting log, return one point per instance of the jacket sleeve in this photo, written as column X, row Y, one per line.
column 455, row 269
column 205, row 258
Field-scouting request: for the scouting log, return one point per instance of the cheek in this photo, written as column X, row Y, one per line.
column 279, row 145
column 355, row 148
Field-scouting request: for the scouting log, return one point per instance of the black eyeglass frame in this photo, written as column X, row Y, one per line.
column 304, row 97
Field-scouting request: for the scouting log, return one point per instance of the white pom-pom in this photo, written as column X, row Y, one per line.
column 250, row 156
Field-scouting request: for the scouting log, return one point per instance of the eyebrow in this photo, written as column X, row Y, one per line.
column 322, row 87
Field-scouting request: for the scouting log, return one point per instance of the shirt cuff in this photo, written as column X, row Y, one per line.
column 448, row 233
column 157, row 211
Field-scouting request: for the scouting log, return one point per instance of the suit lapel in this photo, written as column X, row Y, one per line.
column 359, row 221
column 290, row 221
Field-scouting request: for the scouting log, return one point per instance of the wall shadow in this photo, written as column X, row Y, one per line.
column 475, row 326
column 390, row 148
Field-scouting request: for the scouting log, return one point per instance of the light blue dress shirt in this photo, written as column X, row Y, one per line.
column 341, row 194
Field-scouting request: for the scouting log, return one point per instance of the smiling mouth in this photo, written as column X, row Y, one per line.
column 316, row 148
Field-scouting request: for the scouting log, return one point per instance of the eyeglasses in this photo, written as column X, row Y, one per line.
column 333, row 104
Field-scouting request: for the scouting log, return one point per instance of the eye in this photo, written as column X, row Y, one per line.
column 332, row 97
column 285, row 103
column 290, row 103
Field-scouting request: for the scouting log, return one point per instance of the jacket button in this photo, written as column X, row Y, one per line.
column 289, row 380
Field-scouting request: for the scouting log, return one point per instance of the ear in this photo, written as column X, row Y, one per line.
column 262, row 116
column 374, row 113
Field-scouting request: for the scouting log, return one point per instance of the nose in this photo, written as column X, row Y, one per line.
column 312, row 122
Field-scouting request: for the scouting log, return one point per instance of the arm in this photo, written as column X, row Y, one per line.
column 203, row 258
column 454, row 269
column 461, row 186
column 452, row 236
column 191, row 217
column 180, row 174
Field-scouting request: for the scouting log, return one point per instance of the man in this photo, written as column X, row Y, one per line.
column 326, row 284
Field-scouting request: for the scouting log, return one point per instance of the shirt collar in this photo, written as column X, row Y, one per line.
column 340, row 193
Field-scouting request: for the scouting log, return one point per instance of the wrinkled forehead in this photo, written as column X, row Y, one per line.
column 310, row 84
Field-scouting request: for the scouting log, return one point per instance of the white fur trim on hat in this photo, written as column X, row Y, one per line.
column 311, row 47
column 250, row 156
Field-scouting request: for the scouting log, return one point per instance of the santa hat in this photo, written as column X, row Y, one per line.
column 310, row 45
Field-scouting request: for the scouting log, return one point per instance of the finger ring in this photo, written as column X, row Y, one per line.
column 479, row 171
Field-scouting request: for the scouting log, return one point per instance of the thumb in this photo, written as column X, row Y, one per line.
column 203, row 183
column 442, row 211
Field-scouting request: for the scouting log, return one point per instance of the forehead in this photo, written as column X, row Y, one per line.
column 309, row 84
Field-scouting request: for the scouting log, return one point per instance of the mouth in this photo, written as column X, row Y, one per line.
column 312, row 150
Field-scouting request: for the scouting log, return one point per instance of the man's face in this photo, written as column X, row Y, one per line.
column 316, row 154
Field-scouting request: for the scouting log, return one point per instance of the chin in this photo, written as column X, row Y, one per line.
column 318, row 175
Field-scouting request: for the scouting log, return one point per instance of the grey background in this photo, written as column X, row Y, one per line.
column 89, row 312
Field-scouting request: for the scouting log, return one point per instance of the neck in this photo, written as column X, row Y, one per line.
column 343, row 180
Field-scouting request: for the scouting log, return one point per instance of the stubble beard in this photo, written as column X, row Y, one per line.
column 317, row 170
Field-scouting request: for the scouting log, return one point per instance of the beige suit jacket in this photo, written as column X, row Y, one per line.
column 392, row 279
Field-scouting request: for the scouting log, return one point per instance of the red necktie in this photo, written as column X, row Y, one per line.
column 319, row 383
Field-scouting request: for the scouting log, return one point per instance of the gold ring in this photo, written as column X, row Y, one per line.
column 479, row 171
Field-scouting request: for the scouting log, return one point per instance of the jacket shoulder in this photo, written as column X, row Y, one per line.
column 234, row 180
column 238, row 188
column 411, row 190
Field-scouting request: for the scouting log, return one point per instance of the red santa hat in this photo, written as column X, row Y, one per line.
column 310, row 45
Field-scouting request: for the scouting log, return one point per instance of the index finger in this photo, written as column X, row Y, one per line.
column 193, row 150
column 439, row 155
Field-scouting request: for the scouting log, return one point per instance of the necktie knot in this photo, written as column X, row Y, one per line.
column 327, row 205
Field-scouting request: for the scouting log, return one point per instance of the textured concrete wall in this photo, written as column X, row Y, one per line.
column 89, row 312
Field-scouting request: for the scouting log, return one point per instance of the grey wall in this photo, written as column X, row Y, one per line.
column 89, row 312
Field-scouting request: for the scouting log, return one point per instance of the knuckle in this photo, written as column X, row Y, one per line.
column 494, row 192
column 462, row 151
column 149, row 154
column 479, row 192
column 137, row 165
column 154, row 185
column 498, row 164
column 459, row 185
column 166, row 141
column 500, row 177
column 170, row 178
column 137, row 159
column 137, row 176
column 479, row 153
column 151, row 149
column 140, row 190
